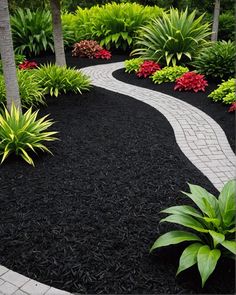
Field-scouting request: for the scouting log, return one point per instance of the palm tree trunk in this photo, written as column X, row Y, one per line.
column 215, row 25
column 57, row 33
column 8, row 57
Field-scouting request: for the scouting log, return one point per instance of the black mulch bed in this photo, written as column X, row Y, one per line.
column 218, row 111
column 84, row 219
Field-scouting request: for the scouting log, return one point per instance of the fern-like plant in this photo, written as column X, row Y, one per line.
column 54, row 80
column 214, row 224
column 173, row 38
column 23, row 133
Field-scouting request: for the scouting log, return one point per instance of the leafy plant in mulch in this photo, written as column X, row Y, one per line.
column 147, row 68
column 214, row 223
column 132, row 65
column 217, row 60
column 55, row 80
column 90, row 49
column 225, row 92
column 169, row 74
column 191, row 81
column 21, row 133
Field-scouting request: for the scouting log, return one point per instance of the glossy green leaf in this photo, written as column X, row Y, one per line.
column 206, row 261
column 218, row 238
column 174, row 237
column 188, row 257
column 230, row 245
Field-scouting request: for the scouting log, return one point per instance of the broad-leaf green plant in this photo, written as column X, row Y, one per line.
column 132, row 65
column 31, row 92
column 225, row 92
column 173, row 38
column 168, row 74
column 56, row 80
column 213, row 222
column 22, row 133
column 217, row 60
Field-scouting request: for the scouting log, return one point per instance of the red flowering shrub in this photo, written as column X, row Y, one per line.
column 104, row 54
column 26, row 65
column 147, row 68
column 191, row 81
column 86, row 48
column 232, row 107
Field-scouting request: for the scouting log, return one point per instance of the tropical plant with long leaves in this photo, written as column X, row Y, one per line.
column 23, row 132
column 214, row 224
column 173, row 38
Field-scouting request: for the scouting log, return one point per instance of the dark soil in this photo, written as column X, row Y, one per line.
column 84, row 219
column 218, row 111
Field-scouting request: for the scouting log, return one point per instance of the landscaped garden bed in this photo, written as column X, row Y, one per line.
column 85, row 217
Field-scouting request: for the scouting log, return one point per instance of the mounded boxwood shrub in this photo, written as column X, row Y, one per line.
column 217, row 60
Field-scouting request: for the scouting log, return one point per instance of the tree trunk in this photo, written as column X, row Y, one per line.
column 8, row 57
column 57, row 33
column 215, row 25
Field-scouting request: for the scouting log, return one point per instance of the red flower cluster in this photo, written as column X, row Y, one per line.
column 90, row 49
column 27, row 64
column 103, row 54
column 232, row 107
column 147, row 68
column 191, row 81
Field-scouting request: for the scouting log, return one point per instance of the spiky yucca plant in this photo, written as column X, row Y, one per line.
column 171, row 39
column 20, row 133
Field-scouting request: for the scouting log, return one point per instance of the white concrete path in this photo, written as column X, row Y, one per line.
column 200, row 138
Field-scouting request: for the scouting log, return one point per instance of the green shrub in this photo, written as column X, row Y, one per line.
column 173, row 38
column 226, row 26
column 214, row 223
column 20, row 133
column 30, row 91
column 217, row 60
column 132, row 65
column 32, row 31
column 54, row 80
column 19, row 58
column 115, row 25
column 225, row 92
column 169, row 74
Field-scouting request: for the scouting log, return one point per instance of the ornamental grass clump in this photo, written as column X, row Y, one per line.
column 21, row 133
column 168, row 74
column 213, row 222
column 54, row 80
column 173, row 38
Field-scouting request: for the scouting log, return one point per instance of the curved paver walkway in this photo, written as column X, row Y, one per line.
column 200, row 138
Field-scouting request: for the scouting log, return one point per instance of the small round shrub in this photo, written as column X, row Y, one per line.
column 86, row 48
column 169, row 74
column 54, row 80
column 217, row 60
column 225, row 92
column 191, row 81
column 31, row 92
column 132, row 65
